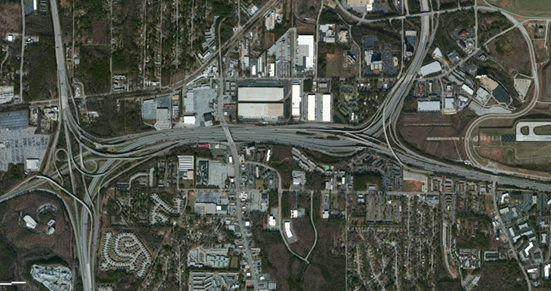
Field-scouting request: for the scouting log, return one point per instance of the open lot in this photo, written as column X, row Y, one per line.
column 435, row 134
column 525, row 7
column 40, row 64
column 93, row 70
column 336, row 59
column 509, row 50
column 10, row 18
column 501, row 276
column 115, row 120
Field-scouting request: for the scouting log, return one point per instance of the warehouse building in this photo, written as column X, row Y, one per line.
column 428, row 106
column 185, row 167
column 260, row 103
column 296, row 99
column 305, row 55
column 431, row 68
column 318, row 108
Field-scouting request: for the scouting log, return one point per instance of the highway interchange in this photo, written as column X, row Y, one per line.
column 377, row 135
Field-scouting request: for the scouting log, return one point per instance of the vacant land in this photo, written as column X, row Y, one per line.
column 21, row 246
column 93, row 70
column 490, row 24
column 336, row 63
column 509, row 51
column 501, row 276
column 10, row 18
column 40, row 64
column 525, row 7
column 416, row 129
column 474, row 231
column 115, row 118
column 305, row 235
column 282, row 160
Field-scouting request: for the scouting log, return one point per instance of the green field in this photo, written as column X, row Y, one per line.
column 525, row 7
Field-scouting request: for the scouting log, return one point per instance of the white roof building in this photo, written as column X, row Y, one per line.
column 271, row 221
column 185, row 166
column 268, row 111
column 306, row 51
column 260, row 94
column 29, row 222
column 431, row 68
column 467, row 89
column 449, row 106
column 482, row 95
column 437, row 53
column 296, row 99
column 288, row 231
column 188, row 120
column 312, row 107
column 32, row 165
column 428, row 105
column 326, row 108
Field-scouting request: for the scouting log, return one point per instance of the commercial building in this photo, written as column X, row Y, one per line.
column 431, row 68
column 482, row 95
column 305, row 55
column 185, row 167
column 32, row 165
column 427, row 106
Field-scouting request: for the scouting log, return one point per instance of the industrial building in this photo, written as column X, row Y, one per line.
column 305, row 55
column 428, row 106
column 296, row 99
column 431, row 68
column 260, row 103
column 318, row 108
column 185, row 167
column 260, row 111
column 211, row 203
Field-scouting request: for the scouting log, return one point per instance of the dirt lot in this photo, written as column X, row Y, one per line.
column 10, row 18
column 304, row 28
column 416, row 128
column 27, row 247
column 509, row 51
